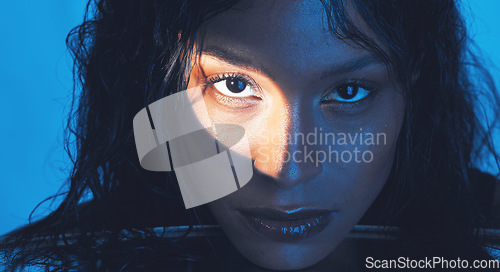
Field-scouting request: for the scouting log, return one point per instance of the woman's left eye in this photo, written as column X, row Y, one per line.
column 347, row 93
column 234, row 86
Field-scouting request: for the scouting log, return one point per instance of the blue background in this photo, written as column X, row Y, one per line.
column 35, row 92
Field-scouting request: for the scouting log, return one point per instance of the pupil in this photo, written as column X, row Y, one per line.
column 235, row 85
column 348, row 92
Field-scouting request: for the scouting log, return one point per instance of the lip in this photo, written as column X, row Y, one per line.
column 287, row 225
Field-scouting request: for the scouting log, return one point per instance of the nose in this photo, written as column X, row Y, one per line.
column 286, row 153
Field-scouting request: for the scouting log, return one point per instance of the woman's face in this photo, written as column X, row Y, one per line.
column 322, row 117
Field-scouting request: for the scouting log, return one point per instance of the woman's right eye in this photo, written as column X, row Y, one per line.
column 234, row 86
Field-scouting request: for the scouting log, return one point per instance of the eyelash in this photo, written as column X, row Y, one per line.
column 356, row 83
column 233, row 101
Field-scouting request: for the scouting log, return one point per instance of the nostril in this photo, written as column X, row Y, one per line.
column 290, row 173
column 294, row 172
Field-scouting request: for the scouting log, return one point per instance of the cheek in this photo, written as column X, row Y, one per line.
column 364, row 181
column 360, row 183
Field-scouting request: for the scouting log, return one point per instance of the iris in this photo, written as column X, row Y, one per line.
column 235, row 85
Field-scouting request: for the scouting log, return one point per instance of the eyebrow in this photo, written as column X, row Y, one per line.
column 352, row 65
column 238, row 58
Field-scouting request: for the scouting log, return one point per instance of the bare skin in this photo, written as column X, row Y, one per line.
column 296, row 78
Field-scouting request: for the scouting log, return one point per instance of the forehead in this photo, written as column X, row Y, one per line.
column 278, row 34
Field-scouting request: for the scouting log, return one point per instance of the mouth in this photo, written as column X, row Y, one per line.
column 287, row 225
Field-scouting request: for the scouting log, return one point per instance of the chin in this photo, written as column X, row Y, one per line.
column 296, row 255
column 288, row 257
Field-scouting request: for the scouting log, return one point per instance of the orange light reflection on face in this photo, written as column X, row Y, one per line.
column 266, row 123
